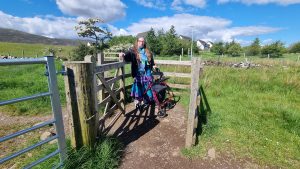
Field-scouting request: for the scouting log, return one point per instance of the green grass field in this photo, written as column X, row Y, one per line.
column 255, row 113
column 25, row 80
column 33, row 50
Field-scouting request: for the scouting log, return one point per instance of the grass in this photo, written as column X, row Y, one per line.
column 255, row 113
column 33, row 50
column 106, row 155
column 26, row 80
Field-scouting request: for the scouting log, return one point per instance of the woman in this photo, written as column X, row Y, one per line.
column 142, row 64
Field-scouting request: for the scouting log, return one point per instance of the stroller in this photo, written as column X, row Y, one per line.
column 163, row 95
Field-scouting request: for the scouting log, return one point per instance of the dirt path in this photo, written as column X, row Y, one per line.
column 154, row 143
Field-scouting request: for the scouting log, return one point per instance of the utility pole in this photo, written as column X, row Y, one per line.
column 192, row 41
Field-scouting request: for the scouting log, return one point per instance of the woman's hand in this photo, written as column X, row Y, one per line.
column 121, row 56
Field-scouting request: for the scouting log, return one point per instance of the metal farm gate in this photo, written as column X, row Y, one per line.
column 56, row 109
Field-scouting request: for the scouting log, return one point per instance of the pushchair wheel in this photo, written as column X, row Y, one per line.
column 161, row 113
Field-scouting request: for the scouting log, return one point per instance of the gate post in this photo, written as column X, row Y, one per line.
column 56, row 107
column 81, row 103
column 193, row 106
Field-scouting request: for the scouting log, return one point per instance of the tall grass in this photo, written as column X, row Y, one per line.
column 255, row 113
column 106, row 155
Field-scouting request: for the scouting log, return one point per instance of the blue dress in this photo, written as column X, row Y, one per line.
column 140, row 90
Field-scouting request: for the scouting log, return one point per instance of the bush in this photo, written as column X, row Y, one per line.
column 295, row 48
column 80, row 52
column 274, row 50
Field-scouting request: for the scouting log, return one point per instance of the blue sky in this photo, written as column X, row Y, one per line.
column 215, row 20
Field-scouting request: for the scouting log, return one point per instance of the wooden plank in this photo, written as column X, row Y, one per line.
column 109, row 82
column 111, row 88
column 111, row 92
column 193, row 112
column 174, row 74
column 109, row 66
column 173, row 62
column 122, row 86
column 108, row 98
column 110, row 112
column 179, row 86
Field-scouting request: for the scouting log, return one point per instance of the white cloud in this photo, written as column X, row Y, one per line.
column 204, row 27
column 180, row 5
column 49, row 26
column 158, row 4
column 104, row 9
column 230, row 33
column 262, row 2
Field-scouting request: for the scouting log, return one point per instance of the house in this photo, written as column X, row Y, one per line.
column 204, row 45
column 185, row 37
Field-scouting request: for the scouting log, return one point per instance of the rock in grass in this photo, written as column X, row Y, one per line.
column 211, row 153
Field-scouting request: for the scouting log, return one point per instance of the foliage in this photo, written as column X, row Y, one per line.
column 80, row 52
column 153, row 42
column 218, row 48
column 121, row 40
column 233, row 49
column 295, row 48
column 87, row 28
column 274, row 50
column 254, row 49
column 106, row 155
column 169, row 43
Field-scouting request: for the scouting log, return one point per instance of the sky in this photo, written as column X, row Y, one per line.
column 213, row 20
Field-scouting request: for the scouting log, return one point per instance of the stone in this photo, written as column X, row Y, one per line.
column 152, row 155
column 46, row 135
column 211, row 153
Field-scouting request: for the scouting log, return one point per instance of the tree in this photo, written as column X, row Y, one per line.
column 87, row 28
column 255, row 48
column 233, row 49
column 80, row 52
column 121, row 40
column 274, row 50
column 295, row 48
column 218, row 48
column 170, row 47
column 153, row 42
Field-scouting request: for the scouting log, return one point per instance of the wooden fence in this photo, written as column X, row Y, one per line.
column 93, row 97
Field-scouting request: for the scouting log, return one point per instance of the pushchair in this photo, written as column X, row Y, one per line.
column 163, row 95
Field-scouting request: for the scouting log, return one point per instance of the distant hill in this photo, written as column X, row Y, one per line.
column 15, row 36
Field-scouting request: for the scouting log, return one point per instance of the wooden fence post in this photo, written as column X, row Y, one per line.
column 100, row 61
column 80, row 94
column 122, row 86
column 194, row 103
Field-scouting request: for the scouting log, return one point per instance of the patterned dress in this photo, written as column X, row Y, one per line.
column 139, row 90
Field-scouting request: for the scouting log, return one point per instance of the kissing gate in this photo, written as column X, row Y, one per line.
column 56, row 109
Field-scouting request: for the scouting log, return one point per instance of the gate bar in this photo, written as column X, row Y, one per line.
column 25, row 131
column 4, row 62
column 41, row 159
column 24, row 98
column 2, row 160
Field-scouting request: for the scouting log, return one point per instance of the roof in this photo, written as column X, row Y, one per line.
column 185, row 37
column 142, row 34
